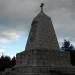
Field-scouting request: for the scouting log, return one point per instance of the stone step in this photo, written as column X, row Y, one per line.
column 51, row 73
column 16, row 73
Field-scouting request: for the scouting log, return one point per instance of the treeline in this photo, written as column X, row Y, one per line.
column 67, row 46
column 6, row 62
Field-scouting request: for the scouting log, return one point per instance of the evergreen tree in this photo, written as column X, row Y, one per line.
column 2, row 65
column 67, row 46
column 6, row 62
column 13, row 61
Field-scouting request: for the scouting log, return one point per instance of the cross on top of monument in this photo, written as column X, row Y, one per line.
column 42, row 4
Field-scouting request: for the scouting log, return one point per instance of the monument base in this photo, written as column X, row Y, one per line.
column 43, row 57
column 41, row 70
column 42, row 62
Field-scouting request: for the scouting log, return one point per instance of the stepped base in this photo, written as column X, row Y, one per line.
column 42, row 62
column 41, row 70
column 15, row 73
column 54, row 73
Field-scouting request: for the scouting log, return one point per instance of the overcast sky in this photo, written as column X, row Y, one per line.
column 16, row 17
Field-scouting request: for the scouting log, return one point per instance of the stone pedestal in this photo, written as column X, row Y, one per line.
column 42, row 62
column 43, row 58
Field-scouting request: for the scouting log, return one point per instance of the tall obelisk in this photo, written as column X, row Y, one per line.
column 42, row 34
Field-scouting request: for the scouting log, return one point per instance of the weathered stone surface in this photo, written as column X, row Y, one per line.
column 43, row 57
column 42, row 34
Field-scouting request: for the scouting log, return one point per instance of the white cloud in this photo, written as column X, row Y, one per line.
column 3, row 40
column 9, row 35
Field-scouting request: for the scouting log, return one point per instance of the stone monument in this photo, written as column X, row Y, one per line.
column 42, row 55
